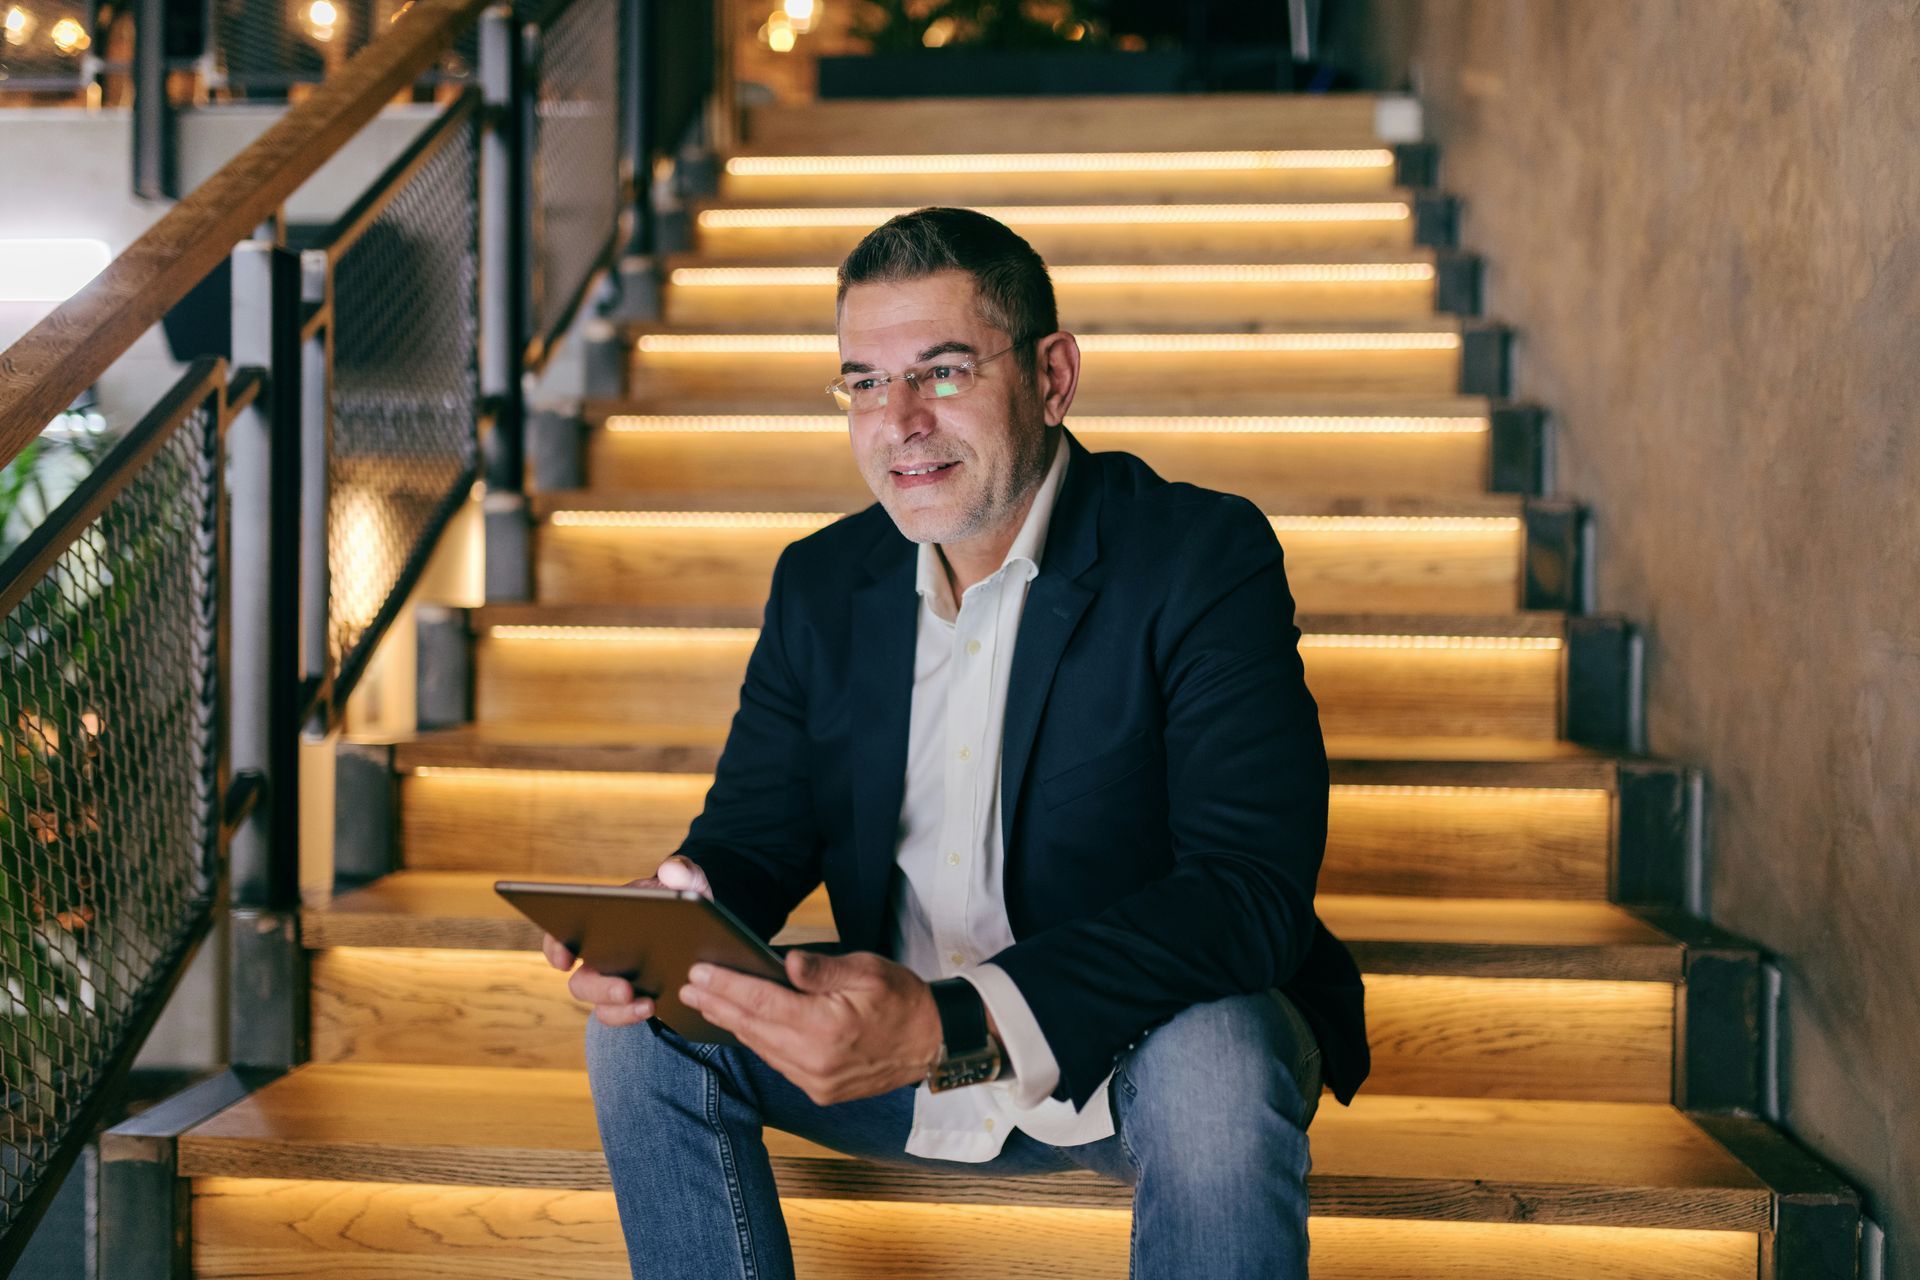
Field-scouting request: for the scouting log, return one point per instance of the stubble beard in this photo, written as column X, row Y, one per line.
column 1031, row 460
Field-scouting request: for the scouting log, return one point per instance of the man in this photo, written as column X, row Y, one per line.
column 1038, row 720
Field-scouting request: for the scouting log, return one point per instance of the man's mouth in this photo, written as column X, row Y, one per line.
column 924, row 469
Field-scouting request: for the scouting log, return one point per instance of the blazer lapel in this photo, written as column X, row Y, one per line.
column 1054, row 605
column 881, row 684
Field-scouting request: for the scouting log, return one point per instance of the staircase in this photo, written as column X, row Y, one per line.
column 1563, row 1083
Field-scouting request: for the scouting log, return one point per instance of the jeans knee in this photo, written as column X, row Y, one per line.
column 1216, row 1070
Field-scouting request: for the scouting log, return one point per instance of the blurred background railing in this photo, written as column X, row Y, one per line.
column 223, row 577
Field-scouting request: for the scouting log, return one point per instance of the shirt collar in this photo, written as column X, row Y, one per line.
column 930, row 576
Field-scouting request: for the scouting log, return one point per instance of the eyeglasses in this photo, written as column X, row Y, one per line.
column 934, row 380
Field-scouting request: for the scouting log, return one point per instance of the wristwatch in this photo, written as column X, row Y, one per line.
column 968, row 1051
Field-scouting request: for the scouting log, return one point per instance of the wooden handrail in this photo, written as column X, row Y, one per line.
column 42, row 373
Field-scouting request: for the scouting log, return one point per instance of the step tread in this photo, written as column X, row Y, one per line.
column 827, row 341
column 1456, row 936
column 1387, row 1156
column 1536, row 624
column 720, row 498
column 681, row 748
column 1369, row 255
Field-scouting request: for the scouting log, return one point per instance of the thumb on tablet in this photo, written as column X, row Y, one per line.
column 678, row 873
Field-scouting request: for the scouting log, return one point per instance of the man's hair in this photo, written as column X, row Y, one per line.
column 1011, row 285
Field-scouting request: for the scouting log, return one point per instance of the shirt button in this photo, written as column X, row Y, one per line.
column 966, row 753
column 953, row 859
column 989, row 1124
column 973, row 646
column 958, row 957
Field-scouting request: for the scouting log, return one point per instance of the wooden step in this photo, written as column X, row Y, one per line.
column 1370, row 674
column 1414, row 358
column 1385, row 1157
column 609, row 801
column 1226, row 297
column 1076, row 233
column 1037, row 177
column 1506, row 999
column 255, row 1228
column 1387, row 448
column 718, row 547
column 1132, row 122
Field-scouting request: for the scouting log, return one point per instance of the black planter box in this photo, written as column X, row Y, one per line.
column 992, row 73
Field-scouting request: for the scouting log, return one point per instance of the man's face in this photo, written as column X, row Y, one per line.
column 989, row 445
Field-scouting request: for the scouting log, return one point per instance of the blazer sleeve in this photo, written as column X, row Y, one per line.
column 1247, row 801
column 756, row 837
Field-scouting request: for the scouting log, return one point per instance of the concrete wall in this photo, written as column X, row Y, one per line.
column 1704, row 220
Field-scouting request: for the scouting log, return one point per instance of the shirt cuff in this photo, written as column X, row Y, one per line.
column 1029, row 1059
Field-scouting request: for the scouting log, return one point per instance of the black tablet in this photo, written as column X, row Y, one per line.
column 651, row 937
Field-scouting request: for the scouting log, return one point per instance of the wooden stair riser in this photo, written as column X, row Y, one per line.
column 1342, row 569
column 1457, row 1037
column 762, row 307
column 1265, row 467
column 970, row 126
column 693, row 375
column 248, row 1229
column 1495, row 693
column 1440, row 841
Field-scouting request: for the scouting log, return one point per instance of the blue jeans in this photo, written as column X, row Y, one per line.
column 1210, row 1116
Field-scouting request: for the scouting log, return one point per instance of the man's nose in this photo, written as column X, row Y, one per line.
column 904, row 415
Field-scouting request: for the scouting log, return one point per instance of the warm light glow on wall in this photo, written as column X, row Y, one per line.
column 1156, row 273
column 1055, row 162
column 834, row 424
column 1071, row 215
column 69, row 37
column 1110, row 343
column 16, row 26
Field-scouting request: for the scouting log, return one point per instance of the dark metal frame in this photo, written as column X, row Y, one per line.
column 203, row 386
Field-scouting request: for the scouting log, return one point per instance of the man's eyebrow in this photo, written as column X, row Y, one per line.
column 950, row 347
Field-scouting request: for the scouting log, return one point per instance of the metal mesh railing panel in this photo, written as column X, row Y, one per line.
column 405, row 387
column 108, row 793
column 576, row 161
column 267, row 45
column 43, row 42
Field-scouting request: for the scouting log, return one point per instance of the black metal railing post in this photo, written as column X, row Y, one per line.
column 155, row 175
column 503, row 246
column 267, row 1011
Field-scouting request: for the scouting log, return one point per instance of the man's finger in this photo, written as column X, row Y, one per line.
column 757, row 995
column 624, row 1015
column 557, row 954
column 768, row 1037
column 595, row 987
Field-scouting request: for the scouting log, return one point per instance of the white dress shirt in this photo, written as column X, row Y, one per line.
column 949, row 902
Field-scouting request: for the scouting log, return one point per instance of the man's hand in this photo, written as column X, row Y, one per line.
column 612, row 999
column 854, row 1027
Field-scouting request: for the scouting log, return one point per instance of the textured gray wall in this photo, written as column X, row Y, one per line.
column 1704, row 221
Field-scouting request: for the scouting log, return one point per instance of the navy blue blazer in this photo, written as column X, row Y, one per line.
column 1163, row 778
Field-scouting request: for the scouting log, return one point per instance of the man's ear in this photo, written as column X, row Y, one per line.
column 1057, row 370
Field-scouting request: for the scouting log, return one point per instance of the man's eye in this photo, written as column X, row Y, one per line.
column 863, row 384
column 942, row 372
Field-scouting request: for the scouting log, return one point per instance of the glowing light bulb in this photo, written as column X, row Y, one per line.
column 777, row 32
column 801, row 14
column 321, row 20
column 939, row 32
column 69, row 37
column 17, row 26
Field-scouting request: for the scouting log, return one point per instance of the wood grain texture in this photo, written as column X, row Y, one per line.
column 1265, row 468
column 1490, row 1160
column 665, row 678
column 1455, row 1037
column 1488, row 843
column 1094, row 123
column 43, row 372
column 1088, row 401
column 276, row 1229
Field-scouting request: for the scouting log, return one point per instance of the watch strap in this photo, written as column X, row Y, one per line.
column 968, row 1054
